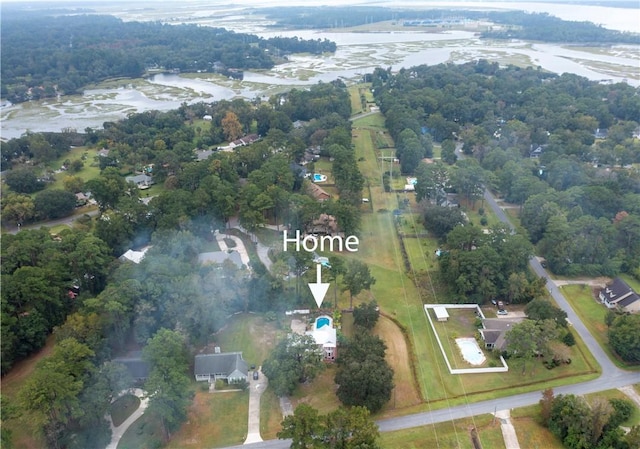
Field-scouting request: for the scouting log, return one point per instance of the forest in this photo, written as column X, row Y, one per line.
column 46, row 55
column 519, row 24
column 72, row 285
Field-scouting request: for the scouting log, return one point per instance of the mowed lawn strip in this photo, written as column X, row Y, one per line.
column 270, row 415
column 214, row 420
column 592, row 313
column 451, row 434
column 404, row 393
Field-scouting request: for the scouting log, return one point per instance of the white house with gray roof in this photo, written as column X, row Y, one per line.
column 229, row 366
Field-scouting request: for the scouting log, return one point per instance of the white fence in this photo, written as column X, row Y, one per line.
column 498, row 369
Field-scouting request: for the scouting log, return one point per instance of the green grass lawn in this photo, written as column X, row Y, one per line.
column 251, row 334
column 592, row 314
column 453, row 434
column 123, row 407
column 270, row 415
column 319, row 393
column 214, row 420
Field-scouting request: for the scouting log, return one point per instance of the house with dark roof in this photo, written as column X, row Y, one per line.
column 138, row 368
column 229, row 366
column 494, row 331
column 142, row 181
column 618, row 294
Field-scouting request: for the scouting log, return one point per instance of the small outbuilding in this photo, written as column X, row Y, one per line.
column 441, row 313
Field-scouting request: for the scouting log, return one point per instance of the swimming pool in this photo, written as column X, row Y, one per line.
column 470, row 350
column 317, row 177
column 321, row 322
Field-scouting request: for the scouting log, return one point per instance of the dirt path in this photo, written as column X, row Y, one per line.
column 22, row 369
column 594, row 282
column 404, row 394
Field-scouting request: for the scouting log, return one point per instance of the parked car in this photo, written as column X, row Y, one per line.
column 256, row 376
column 502, row 312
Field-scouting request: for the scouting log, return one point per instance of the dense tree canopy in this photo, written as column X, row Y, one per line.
column 624, row 337
column 295, row 359
column 364, row 377
column 46, row 55
column 345, row 428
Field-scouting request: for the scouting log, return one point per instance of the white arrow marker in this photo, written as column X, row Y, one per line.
column 319, row 289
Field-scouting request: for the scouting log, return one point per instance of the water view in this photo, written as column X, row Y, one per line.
column 357, row 53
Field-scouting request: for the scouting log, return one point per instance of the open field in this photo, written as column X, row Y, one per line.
column 90, row 170
column 592, row 314
column 453, row 434
column 405, row 393
column 251, row 334
column 319, row 393
column 214, row 420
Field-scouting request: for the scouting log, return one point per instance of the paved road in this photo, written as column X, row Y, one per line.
column 68, row 221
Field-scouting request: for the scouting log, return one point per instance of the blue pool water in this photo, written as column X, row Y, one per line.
column 321, row 322
column 319, row 178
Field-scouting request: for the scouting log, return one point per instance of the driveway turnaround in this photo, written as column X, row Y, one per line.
column 256, row 388
column 117, row 432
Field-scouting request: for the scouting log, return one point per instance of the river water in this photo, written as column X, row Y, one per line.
column 357, row 54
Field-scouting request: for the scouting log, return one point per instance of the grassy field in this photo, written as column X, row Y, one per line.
column 214, row 420
column 320, row 393
column 270, row 415
column 90, row 170
column 453, row 434
column 251, row 334
column 592, row 314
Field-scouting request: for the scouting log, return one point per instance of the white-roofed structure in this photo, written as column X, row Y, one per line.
column 135, row 256
column 441, row 313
